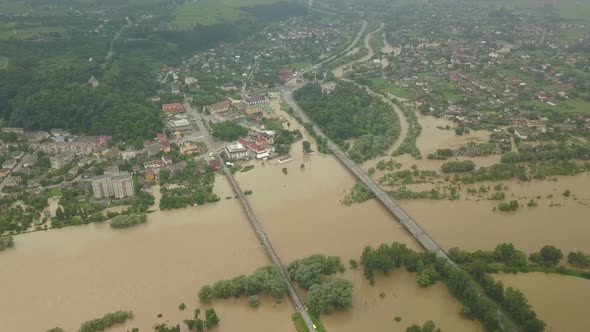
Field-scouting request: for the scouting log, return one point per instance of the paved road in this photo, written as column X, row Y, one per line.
column 270, row 251
column 215, row 147
column 421, row 236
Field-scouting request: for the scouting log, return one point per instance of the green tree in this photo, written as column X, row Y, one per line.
column 206, row 294
column 254, row 301
column 331, row 295
column 211, row 318
column 579, row 259
column 228, row 131
column 547, row 256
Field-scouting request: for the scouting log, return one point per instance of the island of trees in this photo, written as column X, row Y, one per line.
column 349, row 112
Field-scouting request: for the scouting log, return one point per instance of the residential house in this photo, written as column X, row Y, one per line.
column 215, row 164
column 13, row 181
column 178, row 167
column 59, row 132
column 229, row 87
column 173, row 108
column 157, row 163
column 222, row 106
column 150, row 175
column 175, row 89
column 522, row 133
column 166, row 160
column 254, row 99
column 93, row 81
column 35, row 182
column 29, row 160
column 18, row 155
column 189, row 148
column 9, row 164
column 181, row 125
column 61, row 159
column 126, row 155
column 13, row 130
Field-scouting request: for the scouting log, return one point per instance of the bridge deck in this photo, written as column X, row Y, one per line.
column 270, row 251
column 392, row 206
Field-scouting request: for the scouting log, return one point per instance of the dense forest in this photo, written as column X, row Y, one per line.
column 46, row 84
column 349, row 112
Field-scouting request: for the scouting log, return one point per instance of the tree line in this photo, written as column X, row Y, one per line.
column 267, row 279
column 325, row 294
column 477, row 303
column 349, row 112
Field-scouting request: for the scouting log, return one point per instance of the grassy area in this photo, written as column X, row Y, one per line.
column 302, row 327
column 299, row 65
column 29, row 31
column 3, row 62
column 385, row 87
column 571, row 35
column 577, row 105
column 13, row 7
column 207, row 12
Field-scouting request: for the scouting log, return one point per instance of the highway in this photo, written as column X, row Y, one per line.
column 421, row 236
column 270, row 251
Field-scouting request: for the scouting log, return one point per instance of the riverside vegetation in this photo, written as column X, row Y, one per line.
column 507, row 258
column 106, row 321
column 324, row 294
column 6, row 242
column 349, row 112
column 478, row 303
column 124, row 221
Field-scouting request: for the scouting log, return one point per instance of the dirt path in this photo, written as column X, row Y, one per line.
column 338, row 72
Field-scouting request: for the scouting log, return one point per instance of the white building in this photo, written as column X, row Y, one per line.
column 122, row 186
column 180, row 125
column 236, row 151
column 119, row 186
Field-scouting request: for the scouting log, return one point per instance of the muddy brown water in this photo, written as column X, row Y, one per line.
column 67, row 276
column 471, row 223
column 560, row 301
column 302, row 214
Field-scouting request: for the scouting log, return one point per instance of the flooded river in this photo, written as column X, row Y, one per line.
column 471, row 223
column 63, row 277
column 560, row 301
column 302, row 214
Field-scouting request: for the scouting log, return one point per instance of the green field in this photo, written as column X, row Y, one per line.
column 30, row 31
column 207, row 12
column 577, row 105
column 13, row 7
column 3, row 62
column 385, row 87
column 566, row 9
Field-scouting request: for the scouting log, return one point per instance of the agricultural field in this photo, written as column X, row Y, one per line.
column 385, row 87
column 208, row 12
column 3, row 62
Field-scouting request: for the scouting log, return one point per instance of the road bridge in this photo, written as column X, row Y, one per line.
column 270, row 251
column 391, row 205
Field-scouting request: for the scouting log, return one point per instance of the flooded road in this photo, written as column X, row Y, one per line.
column 64, row 277
column 560, row 301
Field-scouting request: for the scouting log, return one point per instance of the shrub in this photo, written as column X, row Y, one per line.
column 254, row 301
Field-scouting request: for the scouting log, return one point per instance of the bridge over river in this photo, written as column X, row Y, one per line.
column 392, row 206
column 270, row 251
